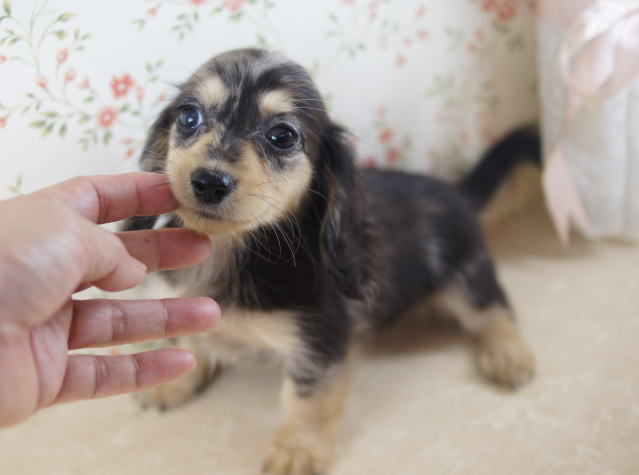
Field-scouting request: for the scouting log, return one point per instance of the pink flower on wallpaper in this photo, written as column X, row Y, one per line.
column 3, row 122
column 422, row 34
column 488, row 5
column 107, row 116
column 129, row 153
column 151, row 12
column 386, row 134
column 348, row 2
column 400, row 61
column 198, row 2
column 234, row 5
column 62, row 56
column 421, row 11
column 368, row 161
column 85, row 84
column 505, row 10
column 69, row 75
column 2, row 59
column 42, row 81
column 121, row 86
column 127, row 141
column 393, row 155
column 408, row 42
column 139, row 93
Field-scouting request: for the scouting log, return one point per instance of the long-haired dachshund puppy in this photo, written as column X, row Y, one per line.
column 309, row 252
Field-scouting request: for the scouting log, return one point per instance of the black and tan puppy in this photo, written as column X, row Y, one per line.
column 308, row 250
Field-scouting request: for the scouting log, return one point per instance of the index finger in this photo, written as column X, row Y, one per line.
column 108, row 198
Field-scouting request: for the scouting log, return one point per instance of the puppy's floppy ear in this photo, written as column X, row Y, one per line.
column 153, row 159
column 156, row 147
column 346, row 234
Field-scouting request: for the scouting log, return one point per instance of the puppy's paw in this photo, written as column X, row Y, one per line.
column 291, row 456
column 504, row 356
column 178, row 392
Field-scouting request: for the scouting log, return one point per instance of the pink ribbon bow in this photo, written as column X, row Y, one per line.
column 599, row 56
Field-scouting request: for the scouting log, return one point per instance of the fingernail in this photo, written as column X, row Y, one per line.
column 142, row 267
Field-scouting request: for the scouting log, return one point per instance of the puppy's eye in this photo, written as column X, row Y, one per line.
column 281, row 136
column 190, row 117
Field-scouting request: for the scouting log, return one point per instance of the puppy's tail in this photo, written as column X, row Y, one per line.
column 519, row 146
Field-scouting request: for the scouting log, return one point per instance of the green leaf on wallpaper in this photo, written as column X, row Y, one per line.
column 107, row 138
column 65, row 17
column 139, row 23
column 50, row 114
column 500, row 27
column 332, row 17
column 2, row 41
column 16, row 188
column 63, row 130
column 88, row 99
column 7, row 7
column 125, row 107
column 60, row 34
column 196, row 16
column 37, row 124
column 515, row 43
column 84, row 119
column 47, row 130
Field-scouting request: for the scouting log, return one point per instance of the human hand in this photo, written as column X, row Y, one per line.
column 50, row 247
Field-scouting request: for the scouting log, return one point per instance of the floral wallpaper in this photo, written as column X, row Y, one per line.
column 424, row 85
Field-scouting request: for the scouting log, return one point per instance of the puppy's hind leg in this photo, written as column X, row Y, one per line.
column 478, row 302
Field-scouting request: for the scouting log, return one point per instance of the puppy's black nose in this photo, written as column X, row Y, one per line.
column 211, row 187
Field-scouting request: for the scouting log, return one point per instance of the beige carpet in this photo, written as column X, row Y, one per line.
column 421, row 410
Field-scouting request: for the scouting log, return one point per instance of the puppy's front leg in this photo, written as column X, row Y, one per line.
column 312, row 410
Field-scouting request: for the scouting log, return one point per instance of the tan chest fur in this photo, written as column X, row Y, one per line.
column 243, row 338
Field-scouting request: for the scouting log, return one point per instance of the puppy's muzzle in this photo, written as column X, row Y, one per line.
column 211, row 187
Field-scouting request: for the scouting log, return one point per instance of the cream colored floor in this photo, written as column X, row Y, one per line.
column 421, row 410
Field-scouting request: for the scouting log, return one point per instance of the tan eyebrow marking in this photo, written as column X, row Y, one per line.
column 212, row 90
column 275, row 102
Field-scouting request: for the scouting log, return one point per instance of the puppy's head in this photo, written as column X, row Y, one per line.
column 240, row 141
